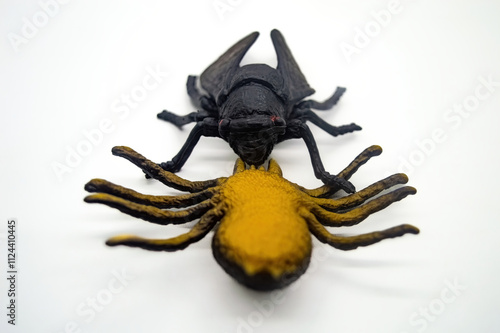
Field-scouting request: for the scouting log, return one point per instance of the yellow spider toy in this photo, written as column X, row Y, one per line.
column 263, row 238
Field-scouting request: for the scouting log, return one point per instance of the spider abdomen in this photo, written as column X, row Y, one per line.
column 264, row 246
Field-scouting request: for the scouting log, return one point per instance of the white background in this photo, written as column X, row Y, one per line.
column 404, row 82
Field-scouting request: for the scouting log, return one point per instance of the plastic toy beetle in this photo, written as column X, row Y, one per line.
column 263, row 238
column 254, row 107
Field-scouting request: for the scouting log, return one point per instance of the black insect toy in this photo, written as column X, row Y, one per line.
column 254, row 107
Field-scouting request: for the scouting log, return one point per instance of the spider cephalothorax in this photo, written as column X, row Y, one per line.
column 265, row 222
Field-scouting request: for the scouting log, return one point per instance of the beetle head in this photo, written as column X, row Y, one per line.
column 251, row 121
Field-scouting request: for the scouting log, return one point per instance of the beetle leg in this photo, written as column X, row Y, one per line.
column 153, row 170
column 178, row 160
column 361, row 159
column 200, row 230
column 207, row 127
column 352, row 242
column 199, row 99
column 150, row 213
column 319, row 170
column 361, row 196
column 159, row 201
column 326, row 105
column 180, row 121
column 360, row 213
column 330, row 129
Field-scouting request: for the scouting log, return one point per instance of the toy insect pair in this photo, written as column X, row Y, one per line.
column 264, row 222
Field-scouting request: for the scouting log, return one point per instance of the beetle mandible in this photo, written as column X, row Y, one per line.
column 254, row 107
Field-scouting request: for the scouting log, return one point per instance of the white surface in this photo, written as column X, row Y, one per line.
column 70, row 75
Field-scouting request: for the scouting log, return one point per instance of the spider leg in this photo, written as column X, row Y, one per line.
column 359, row 197
column 206, row 223
column 328, row 190
column 168, row 178
column 360, row 160
column 360, row 213
column 326, row 105
column 150, row 213
column 159, row 201
column 352, row 242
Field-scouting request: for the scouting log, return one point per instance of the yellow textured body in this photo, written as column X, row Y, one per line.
column 263, row 223
column 263, row 232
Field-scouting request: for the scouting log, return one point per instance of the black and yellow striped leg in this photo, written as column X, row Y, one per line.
column 329, row 190
column 200, row 230
column 358, row 214
column 150, row 213
column 168, row 178
column 352, row 242
column 159, row 201
column 358, row 198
